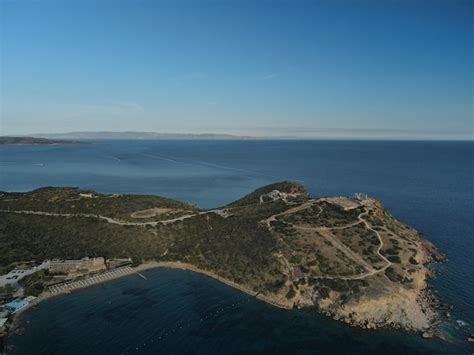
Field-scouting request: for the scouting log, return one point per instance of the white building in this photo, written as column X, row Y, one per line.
column 14, row 276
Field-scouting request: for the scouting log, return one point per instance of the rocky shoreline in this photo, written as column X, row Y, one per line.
column 427, row 301
column 429, row 305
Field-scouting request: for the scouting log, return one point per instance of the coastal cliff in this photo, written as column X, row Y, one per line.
column 345, row 256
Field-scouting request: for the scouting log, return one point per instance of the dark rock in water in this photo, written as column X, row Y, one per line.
column 435, row 254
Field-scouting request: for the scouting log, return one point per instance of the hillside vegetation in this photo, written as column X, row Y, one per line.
column 348, row 257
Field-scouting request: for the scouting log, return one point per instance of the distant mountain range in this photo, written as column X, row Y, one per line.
column 323, row 133
column 136, row 135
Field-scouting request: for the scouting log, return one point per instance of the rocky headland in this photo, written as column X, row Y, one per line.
column 344, row 256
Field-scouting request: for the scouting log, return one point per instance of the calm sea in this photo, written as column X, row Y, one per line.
column 429, row 185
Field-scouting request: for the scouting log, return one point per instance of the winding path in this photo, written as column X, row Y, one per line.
column 339, row 245
column 116, row 221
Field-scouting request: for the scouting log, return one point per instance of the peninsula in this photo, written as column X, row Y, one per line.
column 36, row 140
column 345, row 256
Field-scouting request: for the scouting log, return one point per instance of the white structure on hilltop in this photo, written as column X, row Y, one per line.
column 361, row 196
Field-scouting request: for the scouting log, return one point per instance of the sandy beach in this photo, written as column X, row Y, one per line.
column 183, row 266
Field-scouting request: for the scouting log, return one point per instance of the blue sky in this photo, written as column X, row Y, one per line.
column 376, row 69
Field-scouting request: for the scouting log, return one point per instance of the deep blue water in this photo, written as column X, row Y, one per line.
column 428, row 185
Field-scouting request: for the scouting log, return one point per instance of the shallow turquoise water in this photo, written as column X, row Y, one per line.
column 428, row 185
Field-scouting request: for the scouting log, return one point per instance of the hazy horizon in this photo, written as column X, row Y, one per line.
column 325, row 134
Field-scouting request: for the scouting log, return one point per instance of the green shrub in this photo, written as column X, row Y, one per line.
column 394, row 259
column 291, row 293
